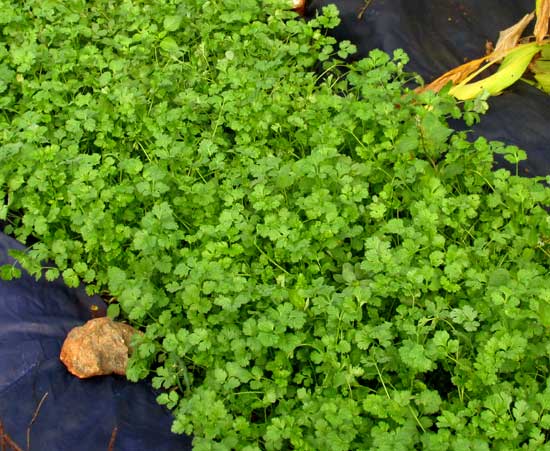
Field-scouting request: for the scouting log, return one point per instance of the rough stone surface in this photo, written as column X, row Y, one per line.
column 99, row 347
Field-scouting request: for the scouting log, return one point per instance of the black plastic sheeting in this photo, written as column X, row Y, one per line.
column 74, row 414
column 36, row 316
column 439, row 35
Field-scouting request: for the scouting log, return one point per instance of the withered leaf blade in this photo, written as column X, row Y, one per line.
column 509, row 37
column 511, row 69
column 543, row 17
column 455, row 75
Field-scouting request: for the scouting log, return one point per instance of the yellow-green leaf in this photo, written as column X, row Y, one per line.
column 511, row 70
column 541, row 69
column 542, row 64
column 543, row 80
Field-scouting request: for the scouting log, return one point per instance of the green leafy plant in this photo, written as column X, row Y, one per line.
column 317, row 260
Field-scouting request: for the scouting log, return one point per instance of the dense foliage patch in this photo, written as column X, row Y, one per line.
column 318, row 261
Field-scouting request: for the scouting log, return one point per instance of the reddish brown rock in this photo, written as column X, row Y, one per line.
column 299, row 6
column 99, row 347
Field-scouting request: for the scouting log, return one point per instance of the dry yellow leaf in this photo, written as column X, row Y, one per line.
column 507, row 44
column 455, row 75
column 510, row 71
column 468, row 71
column 543, row 17
column 509, row 38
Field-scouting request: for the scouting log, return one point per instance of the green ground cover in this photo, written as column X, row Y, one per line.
column 317, row 260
